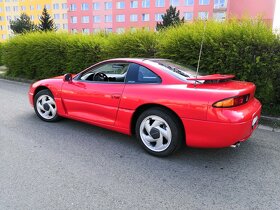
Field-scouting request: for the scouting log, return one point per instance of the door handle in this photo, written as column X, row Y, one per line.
column 115, row 96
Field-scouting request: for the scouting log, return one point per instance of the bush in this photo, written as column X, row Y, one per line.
column 1, row 52
column 247, row 49
column 42, row 55
column 139, row 43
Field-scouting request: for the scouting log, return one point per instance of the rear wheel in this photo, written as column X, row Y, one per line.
column 45, row 106
column 159, row 132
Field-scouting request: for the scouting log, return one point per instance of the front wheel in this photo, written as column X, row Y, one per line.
column 45, row 106
column 159, row 132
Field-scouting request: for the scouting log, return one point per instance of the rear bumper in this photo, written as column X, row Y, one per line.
column 208, row 134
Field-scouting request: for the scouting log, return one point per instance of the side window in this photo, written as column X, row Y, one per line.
column 110, row 72
column 140, row 74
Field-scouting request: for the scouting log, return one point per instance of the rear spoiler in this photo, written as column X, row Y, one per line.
column 213, row 77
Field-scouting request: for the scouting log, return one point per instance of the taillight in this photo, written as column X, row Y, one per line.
column 231, row 102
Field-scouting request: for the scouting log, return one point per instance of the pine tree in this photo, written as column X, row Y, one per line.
column 46, row 22
column 22, row 24
column 170, row 18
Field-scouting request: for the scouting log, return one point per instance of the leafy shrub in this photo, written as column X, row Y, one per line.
column 139, row 43
column 83, row 51
column 1, row 52
column 247, row 49
column 42, row 55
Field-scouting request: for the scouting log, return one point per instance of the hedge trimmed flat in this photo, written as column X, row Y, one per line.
column 164, row 104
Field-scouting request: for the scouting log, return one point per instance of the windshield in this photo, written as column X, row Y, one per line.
column 177, row 70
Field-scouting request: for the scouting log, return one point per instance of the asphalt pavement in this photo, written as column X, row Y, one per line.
column 73, row 165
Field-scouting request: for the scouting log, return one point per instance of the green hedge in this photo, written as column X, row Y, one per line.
column 247, row 49
column 1, row 52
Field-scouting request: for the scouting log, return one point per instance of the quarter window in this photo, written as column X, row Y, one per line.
column 140, row 74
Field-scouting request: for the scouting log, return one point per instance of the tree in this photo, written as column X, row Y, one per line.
column 170, row 18
column 46, row 22
column 22, row 24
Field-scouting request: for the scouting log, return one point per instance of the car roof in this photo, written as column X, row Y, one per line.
column 136, row 59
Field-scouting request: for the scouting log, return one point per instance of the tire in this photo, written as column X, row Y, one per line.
column 159, row 132
column 45, row 106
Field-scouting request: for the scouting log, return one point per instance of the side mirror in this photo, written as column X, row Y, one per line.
column 67, row 77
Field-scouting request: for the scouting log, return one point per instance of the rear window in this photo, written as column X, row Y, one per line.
column 178, row 70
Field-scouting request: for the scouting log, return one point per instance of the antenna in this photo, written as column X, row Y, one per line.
column 200, row 52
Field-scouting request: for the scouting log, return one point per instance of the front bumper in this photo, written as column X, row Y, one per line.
column 209, row 134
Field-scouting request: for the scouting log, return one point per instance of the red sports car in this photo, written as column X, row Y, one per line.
column 163, row 103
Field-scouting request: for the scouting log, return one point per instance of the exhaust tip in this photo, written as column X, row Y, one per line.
column 235, row 145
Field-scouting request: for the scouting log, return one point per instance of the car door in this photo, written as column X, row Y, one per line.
column 94, row 95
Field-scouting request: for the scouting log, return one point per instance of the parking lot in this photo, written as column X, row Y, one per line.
column 72, row 165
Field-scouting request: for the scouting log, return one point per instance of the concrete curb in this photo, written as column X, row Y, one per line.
column 16, row 79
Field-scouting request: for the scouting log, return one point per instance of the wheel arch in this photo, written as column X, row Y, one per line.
column 39, row 88
column 145, row 107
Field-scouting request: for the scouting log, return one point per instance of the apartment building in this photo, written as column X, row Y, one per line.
column 119, row 15
column 11, row 10
column 91, row 16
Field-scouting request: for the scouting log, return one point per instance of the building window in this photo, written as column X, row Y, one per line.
column 158, row 17
column 133, row 18
column 8, row 9
column 85, row 31
column 73, row 30
column 120, row 5
column 56, row 16
column 108, row 5
column 65, row 26
column 85, row 6
column 32, row 17
column 64, row 6
column 55, row 6
column 74, row 19
column 188, row 16
column 85, row 19
column 15, row 8
column 120, row 18
column 108, row 18
column 48, row 6
column 219, row 16
column 31, row 7
column 39, row 7
column 146, row 4
column 189, row 2
column 97, row 30
column 57, row 26
column 108, row 30
column 133, row 4
column 159, row 3
column 23, row 8
column 174, row 3
column 145, row 17
column 120, row 30
column 64, row 16
column 204, row 2
column 96, row 19
column 73, row 7
column 203, row 15
column 220, row 4
column 96, row 6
